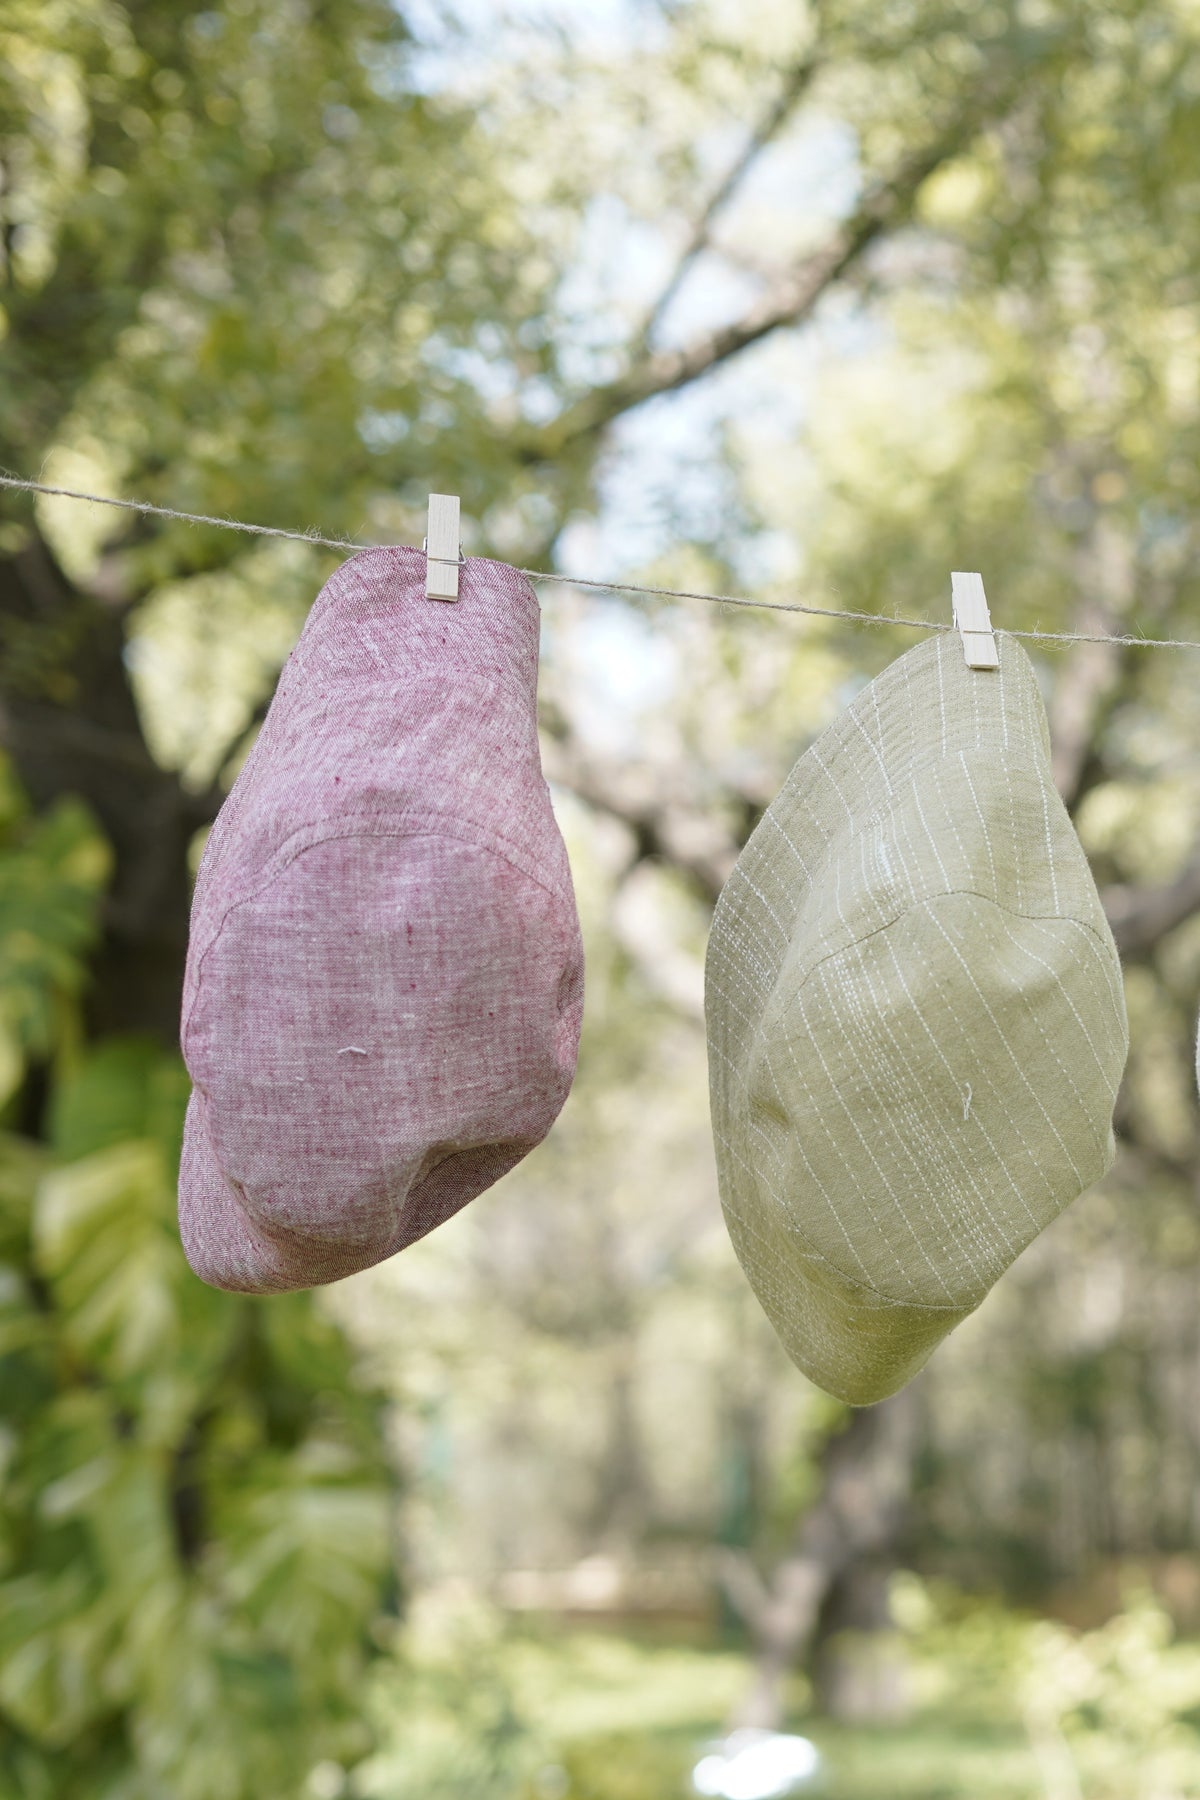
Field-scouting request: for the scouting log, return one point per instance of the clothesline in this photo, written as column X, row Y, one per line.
column 608, row 587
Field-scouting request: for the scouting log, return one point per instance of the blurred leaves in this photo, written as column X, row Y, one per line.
column 196, row 1529
column 194, row 1504
column 1111, row 1712
column 239, row 231
column 53, row 871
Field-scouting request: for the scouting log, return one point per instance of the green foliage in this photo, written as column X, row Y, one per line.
column 449, row 1727
column 1005, row 1706
column 241, row 242
column 473, row 1708
column 1122, row 1702
column 194, row 1507
column 196, row 1534
column 624, row 1767
column 1111, row 1713
column 52, row 871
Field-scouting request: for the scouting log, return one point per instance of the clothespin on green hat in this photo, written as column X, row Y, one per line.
column 973, row 621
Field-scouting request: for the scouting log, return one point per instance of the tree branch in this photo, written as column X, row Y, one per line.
column 796, row 83
column 69, row 719
column 648, row 940
column 205, row 804
column 669, row 822
column 793, row 300
column 1141, row 917
column 663, row 817
column 1106, row 580
column 742, row 1585
column 868, row 1470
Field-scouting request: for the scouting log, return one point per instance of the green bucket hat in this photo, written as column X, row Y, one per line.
column 916, row 1021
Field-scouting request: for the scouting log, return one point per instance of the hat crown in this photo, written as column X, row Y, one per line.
column 392, row 702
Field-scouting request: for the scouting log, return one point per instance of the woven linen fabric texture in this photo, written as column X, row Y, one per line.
column 916, row 1019
column 384, row 984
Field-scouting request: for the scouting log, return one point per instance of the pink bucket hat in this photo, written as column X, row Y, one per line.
column 384, row 985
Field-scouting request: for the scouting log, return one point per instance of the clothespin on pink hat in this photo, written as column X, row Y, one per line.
column 443, row 553
column 973, row 621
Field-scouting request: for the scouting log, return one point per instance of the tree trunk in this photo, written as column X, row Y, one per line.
column 858, row 1664
column 69, row 721
column 855, row 1524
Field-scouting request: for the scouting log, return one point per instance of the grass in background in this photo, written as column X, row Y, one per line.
column 1004, row 1707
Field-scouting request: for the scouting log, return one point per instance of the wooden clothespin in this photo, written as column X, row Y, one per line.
column 973, row 621
column 442, row 552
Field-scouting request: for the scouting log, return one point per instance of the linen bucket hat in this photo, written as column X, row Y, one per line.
column 384, row 984
column 916, row 1021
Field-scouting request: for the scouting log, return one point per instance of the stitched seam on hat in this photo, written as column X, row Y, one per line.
column 279, row 868
column 950, row 894
column 862, row 1287
column 424, row 823
column 809, row 1249
column 798, row 793
column 431, row 824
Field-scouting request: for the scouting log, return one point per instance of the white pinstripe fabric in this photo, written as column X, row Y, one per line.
column 916, row 1021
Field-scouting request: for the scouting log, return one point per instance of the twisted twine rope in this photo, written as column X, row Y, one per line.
column 608, row 587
